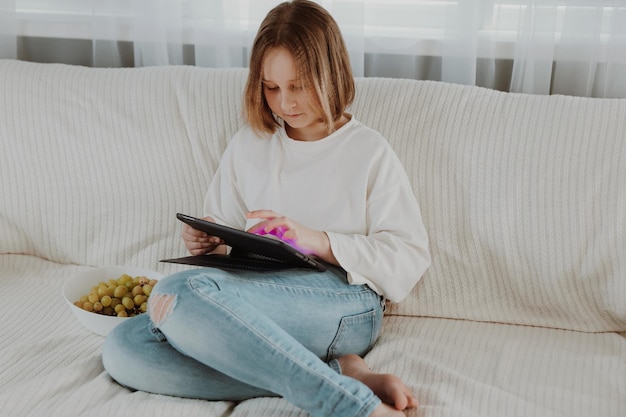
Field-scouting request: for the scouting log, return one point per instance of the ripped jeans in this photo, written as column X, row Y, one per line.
column 219, row 335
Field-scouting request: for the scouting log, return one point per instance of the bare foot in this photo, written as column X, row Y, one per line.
column 389, row 388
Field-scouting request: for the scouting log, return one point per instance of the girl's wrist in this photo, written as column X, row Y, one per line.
column 325, row 251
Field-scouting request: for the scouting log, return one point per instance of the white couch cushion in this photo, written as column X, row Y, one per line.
column 96, row 162
column 51, row 366
column 523, row 198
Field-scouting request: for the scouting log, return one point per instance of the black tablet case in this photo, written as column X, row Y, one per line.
column 248, row 251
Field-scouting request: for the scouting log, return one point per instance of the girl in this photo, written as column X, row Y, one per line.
column 304, row 169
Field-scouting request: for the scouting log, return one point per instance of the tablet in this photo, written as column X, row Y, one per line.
column 253, row 246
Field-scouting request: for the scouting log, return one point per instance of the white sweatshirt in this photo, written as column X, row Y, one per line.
column 350, row 185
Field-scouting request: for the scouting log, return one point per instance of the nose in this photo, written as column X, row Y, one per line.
column 287, row 100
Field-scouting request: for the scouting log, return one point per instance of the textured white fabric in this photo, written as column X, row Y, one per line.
column 522, row 197
column 523, row 200
column 50, row 366
column 349, row 184
column 96, row 163
column 462, row 368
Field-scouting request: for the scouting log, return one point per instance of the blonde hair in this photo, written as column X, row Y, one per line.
column 307, row 31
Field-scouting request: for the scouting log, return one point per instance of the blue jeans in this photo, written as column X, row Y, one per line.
column 238, row 335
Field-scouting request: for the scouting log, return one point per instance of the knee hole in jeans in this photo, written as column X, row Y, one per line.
column 160, row 307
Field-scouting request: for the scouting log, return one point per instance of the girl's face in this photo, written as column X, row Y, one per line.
column 288, row 98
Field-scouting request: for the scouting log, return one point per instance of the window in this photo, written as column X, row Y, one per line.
column 463, row 41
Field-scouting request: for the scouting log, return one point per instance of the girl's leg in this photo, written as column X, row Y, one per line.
column 268, row 330
column 137, row 355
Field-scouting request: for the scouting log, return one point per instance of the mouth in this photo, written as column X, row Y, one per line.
column 292, row 116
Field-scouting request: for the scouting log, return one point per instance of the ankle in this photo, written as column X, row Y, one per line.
column 353, row 365
column 383, row 410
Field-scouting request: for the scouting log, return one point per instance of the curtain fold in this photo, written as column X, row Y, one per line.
column 575, row 47
column 534, row 48
column 8, row 29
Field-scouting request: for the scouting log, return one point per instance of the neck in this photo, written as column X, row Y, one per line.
column 316, row 132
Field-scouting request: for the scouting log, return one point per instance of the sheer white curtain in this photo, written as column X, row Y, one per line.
column 8, row 44
column 209, row 33
column 580, row 49
column 575, row 47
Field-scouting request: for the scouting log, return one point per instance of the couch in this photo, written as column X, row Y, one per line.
column 522, row 313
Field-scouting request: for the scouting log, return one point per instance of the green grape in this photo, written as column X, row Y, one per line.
column 124, row 278
column 128, row 303
column 120, row 291
column 137, row 290
column 147, row 289
column 125, row 296
column 106, row 301
column 140, row 299
column 102, row 290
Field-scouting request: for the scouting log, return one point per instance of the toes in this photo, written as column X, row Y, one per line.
column 411, row 401
column 400, row 401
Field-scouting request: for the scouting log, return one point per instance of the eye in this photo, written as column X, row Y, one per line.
column 270, row 88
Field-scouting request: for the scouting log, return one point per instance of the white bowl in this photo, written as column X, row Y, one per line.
column 81, row 283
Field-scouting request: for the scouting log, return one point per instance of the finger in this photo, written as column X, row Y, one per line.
column 199, row 248
column 194, row 244
column 200, row 251
column 203, row 241
column 193, row 233
column 274, row 229
column 258, row 229
column 262, row 214
column 278, row 223
column 288, row 235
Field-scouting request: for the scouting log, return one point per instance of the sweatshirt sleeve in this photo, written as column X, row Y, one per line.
column 393, row 254
column 223, row 201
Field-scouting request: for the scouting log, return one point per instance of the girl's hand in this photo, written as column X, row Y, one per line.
column 198, row 242
column 304, row 239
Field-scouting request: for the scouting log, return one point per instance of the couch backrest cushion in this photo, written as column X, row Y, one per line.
column 96, row 162
column 524, row 199
column 523, row 196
